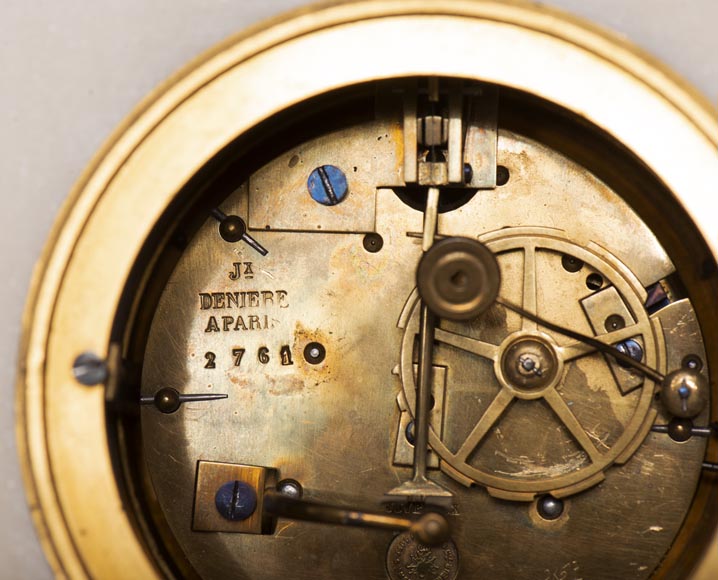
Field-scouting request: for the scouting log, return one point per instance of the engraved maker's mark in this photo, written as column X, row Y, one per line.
column 241, row 270
column 237, row 353
column 242, row 300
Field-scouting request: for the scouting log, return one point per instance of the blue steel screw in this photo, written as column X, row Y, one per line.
column 236, row 500
column 632, row 348
column 549, row 507
column 468, row 173
column 327, row 185
column 410, row 437
column 89, row 369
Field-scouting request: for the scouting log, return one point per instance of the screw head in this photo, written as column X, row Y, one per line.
column 327, row 185
column 692, row 362
column 236, row 500
column 502, row 175
column 632, row 348
column 684, row 393
column 290, row 488
column 232, row 228
column 89, row 369
column 409, row 433
column 594, row 281
column 680, row 430
column 529, row 364
column 167, row 400
column 571, row 263
column 468, row 173
column 614, row 322
column 314, row 353
column 549, row 507
column 373, row 243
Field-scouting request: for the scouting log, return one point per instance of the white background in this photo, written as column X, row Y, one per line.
column 71, row 70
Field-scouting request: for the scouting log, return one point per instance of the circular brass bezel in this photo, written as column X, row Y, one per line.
column 69, row 476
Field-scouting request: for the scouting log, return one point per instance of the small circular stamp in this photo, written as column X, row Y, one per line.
column 408, row 559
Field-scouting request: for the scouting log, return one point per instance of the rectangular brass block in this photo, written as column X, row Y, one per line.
column 210, row 477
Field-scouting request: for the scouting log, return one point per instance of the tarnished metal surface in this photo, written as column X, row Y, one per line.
column 607, row 306
column 334, row 426
column 409, row 559
column 574, row 456
column 278, row 195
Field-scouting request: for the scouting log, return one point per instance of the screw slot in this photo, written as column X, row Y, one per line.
column 594, row 281
column 327, row 185
column 236, row 501
column 89, row 369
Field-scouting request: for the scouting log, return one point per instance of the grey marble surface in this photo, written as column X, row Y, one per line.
column 72, row 70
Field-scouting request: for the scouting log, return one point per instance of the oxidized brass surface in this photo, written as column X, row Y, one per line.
column 537, row 279
column 333, row 426
column 604, row 160
column 210, row 476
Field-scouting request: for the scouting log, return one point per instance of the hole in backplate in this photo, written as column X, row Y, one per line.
column 451, row 198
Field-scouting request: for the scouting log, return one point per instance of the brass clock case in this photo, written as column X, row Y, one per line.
column 611, row 109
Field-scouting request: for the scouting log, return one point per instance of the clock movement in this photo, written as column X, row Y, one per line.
column 386, row 289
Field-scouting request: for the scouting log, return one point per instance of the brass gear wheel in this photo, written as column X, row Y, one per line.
column 538, row 423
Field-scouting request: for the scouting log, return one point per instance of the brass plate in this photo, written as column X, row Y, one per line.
column 333, row 426
column 212, row 475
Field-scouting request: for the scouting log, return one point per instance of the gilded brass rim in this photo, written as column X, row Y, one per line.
column 77, row 507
